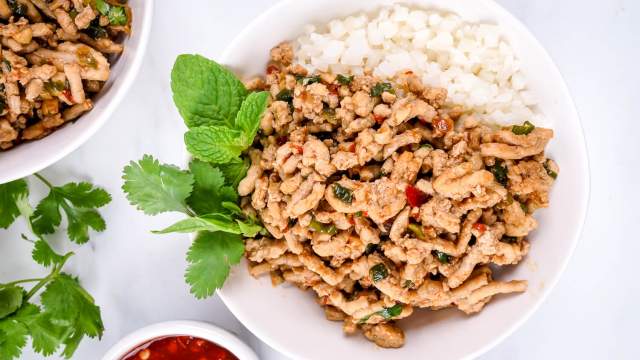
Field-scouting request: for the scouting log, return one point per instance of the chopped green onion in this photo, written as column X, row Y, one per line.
column 323, row 228
column 344, row 80
column 442, row 257
column 524, row 129
column 426, row 146
column 358, row 214
column 524, row 207
column 378, row 272
column 416, row 230
column 379, row 88
column 342, row 193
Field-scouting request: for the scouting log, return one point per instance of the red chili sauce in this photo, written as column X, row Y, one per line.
column 179, row 348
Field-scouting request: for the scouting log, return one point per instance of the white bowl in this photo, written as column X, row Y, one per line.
column 30, row 157
column 290, row 321
column 181, row 328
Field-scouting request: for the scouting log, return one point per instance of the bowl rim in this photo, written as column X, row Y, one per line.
column 125, row 81
column 181, row 327
column 551, row 284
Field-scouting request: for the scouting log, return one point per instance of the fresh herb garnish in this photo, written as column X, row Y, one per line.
column 223, row 119
column 500, row 173
column 378, row 272
column 524, row 129
column 371, row 248
column 380, row 88
column 67, row 312
column 116, row 14
column 285, row 95
column 387, row 313
column 344, row 80
column 309, row 80
column 442, row 257
column 342, row 193
column 407, row 284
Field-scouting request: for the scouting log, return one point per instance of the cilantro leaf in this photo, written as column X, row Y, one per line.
column 9, row 194
column 234, row 172
column 47, row 216
column 210, row 258
column 250, row 114
column 249, row 228
column 205, row 92
column 156, row 188
column 66, row 302
column 10, row 300
column 80, row 220
column 85, row 195
column 211, row 222
column 215, row 144
column 46, row 336
column 103, row 7
column 14, row 332
column 44, row 255
column 209, row 190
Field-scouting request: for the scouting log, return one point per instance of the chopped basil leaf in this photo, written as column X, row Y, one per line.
column 500, row 173
column 379, row 88
column 370, row 249
column 285, row 95
column 442, row 257
column 378, row 272
column 308, row 80
column 344, row 80
column 386, row 313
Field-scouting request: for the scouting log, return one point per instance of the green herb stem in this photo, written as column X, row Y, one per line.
column 54, row 273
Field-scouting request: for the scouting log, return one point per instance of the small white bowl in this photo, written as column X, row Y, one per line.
column 28, row 158
column 290, row 321
column 181, row 328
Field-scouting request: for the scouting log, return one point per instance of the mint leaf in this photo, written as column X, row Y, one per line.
column 10, row 300
column 44, row 255
column 209, row 190
column 234, row 172
column 211, row 222
column 156, row 188
column 9, row 194
column 250, row 114
column 215, row 144
column 210, row 258
column 205, row 92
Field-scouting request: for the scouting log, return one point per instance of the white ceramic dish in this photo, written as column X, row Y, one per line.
column 291, row 322
column 31, row 157
column 187, row 328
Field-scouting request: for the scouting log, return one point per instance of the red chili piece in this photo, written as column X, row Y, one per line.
column 180, row 348
column 352, row 147
column 480, row 227
column 415, row 197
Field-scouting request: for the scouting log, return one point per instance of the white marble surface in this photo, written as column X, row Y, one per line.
column 137, row 277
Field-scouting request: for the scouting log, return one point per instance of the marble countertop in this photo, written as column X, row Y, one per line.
column 137, row 277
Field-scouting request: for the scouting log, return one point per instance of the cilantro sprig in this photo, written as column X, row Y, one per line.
column 223, row 119
column 67, row 312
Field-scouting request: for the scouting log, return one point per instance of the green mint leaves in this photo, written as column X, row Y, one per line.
column 205, row 92
column 223, row 120
column 67, row 312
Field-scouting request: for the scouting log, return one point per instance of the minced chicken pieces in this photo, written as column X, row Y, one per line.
column 381, row 197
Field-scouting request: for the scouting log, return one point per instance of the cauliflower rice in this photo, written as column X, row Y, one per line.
column 478, row 68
